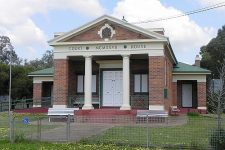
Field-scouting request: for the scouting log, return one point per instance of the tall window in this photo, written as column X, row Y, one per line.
column 80, row 83
column 140, row 83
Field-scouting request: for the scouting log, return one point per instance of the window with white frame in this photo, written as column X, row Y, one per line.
column 80, row 83
column 140, row 83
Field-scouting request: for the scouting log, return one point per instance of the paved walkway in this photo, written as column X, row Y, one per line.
column 80, row 131
column 77, row 132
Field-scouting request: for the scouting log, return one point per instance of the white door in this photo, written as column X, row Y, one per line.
column 108, row 88
column 112, row 88
column 186, row 95
column 118, row 81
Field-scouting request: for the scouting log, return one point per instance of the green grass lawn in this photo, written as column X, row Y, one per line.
column 21, row 129
column 196, row 132
column 27, row 145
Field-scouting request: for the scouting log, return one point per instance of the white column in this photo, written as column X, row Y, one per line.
column 87, row 83
column 126, row 83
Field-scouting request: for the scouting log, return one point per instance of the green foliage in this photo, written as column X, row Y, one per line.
column 20, row 137
column 21, row 83
column 217, row 139
column 197, row 146
column 193, row 114
column 45, row 62
column 213, row 53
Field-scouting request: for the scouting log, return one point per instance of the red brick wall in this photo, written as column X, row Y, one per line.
column 174, row 94
column 156, row 80
column 37, row 93
column 168, row 86
column 60, row 87
column 121, row 34
column 72, row 78
column 201, row 94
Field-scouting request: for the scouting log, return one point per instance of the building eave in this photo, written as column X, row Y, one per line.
column 39, row 75
column 110, row 42
column 191, row 73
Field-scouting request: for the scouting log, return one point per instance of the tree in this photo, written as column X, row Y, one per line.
column 21, row 83
column 217, row 96
column 213, row 53
column 216, row 101
column 6, row 49
column 45, row 62
column 4, row 79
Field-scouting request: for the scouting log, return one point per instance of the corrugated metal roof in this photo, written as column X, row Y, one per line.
column 186, row 68
column 43, row 72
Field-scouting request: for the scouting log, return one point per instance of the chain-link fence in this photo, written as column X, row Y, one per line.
column 200, row 132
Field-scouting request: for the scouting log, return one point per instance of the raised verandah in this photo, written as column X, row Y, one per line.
column 113, row 69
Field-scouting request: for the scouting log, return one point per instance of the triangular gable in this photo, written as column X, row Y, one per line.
column 89, row 31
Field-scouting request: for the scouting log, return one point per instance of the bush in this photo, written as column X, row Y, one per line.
column 217, row 139
column 193, row 114
column 19, row 137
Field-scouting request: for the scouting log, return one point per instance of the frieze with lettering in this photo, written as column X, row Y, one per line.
column 108, row 47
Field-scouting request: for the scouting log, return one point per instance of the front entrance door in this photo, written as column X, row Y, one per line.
column 112, row 88
column 186, row 95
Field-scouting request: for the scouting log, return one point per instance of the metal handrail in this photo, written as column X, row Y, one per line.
column 26, row 103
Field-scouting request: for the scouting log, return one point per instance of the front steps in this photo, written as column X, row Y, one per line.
column 105, row 116
column 115, row 116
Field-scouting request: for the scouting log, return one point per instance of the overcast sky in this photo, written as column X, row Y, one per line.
column 31, row 23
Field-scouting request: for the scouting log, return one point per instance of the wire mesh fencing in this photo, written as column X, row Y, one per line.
column 182, row 132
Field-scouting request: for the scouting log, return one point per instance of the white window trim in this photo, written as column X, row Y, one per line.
column 140, row 83
column 94, row 84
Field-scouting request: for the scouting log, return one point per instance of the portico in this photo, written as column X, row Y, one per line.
column 124, row 102
column 112, row 71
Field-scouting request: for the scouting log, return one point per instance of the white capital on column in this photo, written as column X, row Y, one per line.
column 87, row 83
column 126, row 83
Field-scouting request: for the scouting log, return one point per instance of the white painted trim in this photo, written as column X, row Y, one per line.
column 123, row 107
column 153, row 49
column 156, row 107
column 156, row 53
column 110, row 63
column 155, row 29
column 41, row 79
column 110, row 42
column 171, row 51
column 198, row 77
column 40, row 75
column 203, row 108
column 88, row 83
column 106, row 26
column 194, row 73
column 126, row 83
column 112, row 19
column 59, row 106
column 36, row 106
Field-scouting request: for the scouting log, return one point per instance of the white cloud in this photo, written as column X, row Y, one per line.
column 206, row 3
column 16, row 21
column 185, row 35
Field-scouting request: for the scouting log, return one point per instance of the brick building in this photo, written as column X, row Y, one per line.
column 111, row 63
